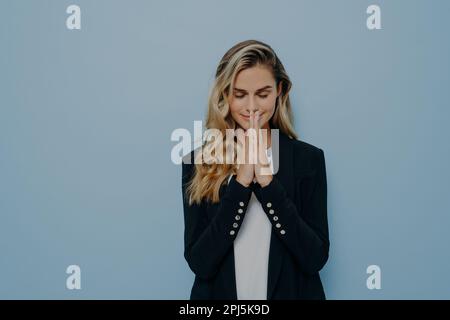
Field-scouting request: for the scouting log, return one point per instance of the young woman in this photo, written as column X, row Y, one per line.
column 248, row 235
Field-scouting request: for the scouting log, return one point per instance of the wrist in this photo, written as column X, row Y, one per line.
column 242, row 183
column 266, row 181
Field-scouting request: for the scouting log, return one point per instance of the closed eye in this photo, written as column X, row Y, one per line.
column 243, row 95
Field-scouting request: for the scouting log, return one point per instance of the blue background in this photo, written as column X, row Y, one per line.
column 86, row 117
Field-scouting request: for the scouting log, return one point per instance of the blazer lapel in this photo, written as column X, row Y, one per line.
column 284, row 175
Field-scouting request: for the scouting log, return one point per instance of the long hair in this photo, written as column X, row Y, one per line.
column 208, row 178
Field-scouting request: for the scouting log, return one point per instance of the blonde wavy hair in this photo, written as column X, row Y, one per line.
column 208, row 178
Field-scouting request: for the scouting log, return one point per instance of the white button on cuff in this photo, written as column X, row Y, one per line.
column 282, row 232
column 278, row 225
column 235, row 225
column 241, row 204
column 240, row 210
column 271, row 211
column 232, row 232
column 275, row 218
column 237, row 217
column 269, row 204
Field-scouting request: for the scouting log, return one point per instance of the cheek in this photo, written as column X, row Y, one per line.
column 235, row 110
column 236, row 106
column 268, row 105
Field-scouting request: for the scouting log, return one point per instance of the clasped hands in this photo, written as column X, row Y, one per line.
column 254, row 146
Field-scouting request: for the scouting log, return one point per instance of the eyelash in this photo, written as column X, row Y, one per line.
column 239, row 97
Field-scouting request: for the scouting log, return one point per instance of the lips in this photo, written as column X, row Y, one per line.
column 248, row 117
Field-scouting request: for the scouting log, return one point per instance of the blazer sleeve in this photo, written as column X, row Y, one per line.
column 307, row 240
column 207, row 241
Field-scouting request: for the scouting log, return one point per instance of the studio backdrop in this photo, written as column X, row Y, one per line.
column 91, row 92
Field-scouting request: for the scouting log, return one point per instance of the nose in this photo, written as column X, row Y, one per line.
column 252, row 105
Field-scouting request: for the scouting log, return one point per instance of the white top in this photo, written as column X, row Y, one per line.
column 251, row 250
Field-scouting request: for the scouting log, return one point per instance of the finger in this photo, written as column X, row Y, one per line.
column 258, row 114
column 247, row 149
column 247, row 137
column 258, row 132
column 238, row 136
column 253, row 139
column 257, row 124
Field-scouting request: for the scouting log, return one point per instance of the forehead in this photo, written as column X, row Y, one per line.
column 254, row 78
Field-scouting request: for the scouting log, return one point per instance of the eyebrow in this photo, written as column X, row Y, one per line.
column 261, row 89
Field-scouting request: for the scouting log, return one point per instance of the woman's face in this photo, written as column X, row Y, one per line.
column 254, row 89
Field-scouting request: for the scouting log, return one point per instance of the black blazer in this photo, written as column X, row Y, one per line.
column 299, row 242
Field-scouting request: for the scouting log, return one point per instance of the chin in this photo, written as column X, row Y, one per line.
column 242, row 125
